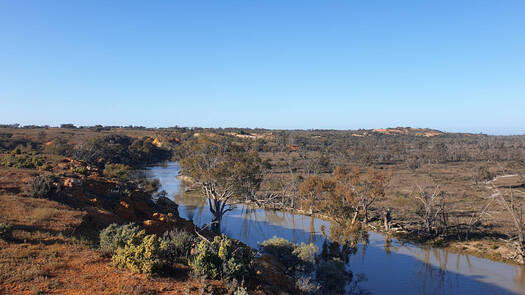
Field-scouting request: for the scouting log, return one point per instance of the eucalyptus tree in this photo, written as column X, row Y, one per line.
column 226, row 172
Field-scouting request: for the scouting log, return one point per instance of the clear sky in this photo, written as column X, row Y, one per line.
column 449, row 65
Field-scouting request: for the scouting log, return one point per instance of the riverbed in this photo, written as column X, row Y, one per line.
column 389, row 268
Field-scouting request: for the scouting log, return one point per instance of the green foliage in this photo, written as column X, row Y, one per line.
column 117, row 171
column 142, row 253
column 23, row 161
column 121, row 149
column 293, row 256
column 281, row 248
column 116, row 236
column 306, row 252
column 179, row 244
column 80, row 170
column 332, row 276
column 43, row 186
column 224, row 167
column 217, row 260
column 45, row 167
column 5, row 230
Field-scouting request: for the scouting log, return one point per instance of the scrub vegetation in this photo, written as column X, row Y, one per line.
column 72, row 199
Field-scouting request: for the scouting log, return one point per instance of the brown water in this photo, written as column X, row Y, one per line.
column 390, row 268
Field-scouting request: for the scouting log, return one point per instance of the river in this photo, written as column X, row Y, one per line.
column 393, row 269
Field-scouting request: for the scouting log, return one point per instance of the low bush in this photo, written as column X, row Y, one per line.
column 115, row 236
column 81, row 170
column 22, row 161
column 179, row 244
column 43, row 186
column 218, row 260
column 293, row 256
column 45, row 167
column 117, row 171
column 5, row 230
column 142, row 253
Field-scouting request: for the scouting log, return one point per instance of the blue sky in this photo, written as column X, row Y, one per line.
column 448, row 65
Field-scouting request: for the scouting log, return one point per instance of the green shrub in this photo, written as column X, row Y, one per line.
column 294, row 257
column 22, row 161
column 281, row 248
column 16, row 151
column 80, row 170
column 306, row 252
column 217, row 260
column 115, row 236
column 179, row 245
column 43, row 186
column 5, row 230
column 46, row 167
column 118, row 171
column 142, row 253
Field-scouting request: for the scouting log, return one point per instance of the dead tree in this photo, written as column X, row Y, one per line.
column 514, row 209
column 432, row 207
column 476, row 217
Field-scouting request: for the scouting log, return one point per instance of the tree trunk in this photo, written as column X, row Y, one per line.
column 386, row 219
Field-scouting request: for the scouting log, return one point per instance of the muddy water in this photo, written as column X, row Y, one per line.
column 389, row 267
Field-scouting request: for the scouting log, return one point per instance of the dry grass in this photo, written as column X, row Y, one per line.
column 42, row 256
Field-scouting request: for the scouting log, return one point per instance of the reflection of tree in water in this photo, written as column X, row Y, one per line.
column 520, row 275
column 388, row 245
column 250, row 221
column 433, row 279
column 273, row 217
column 313, row 236
column 342, row 240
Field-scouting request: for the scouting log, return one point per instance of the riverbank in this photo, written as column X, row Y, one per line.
column 495, row 249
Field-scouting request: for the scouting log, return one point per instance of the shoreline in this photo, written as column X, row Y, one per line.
column 487, row 248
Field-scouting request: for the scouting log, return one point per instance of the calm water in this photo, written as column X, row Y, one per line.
column 395, row 269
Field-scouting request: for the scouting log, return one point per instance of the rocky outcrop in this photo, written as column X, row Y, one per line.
column 166, row 206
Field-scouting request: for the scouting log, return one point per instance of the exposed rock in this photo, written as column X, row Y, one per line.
column 72, row 182
column 165, row 205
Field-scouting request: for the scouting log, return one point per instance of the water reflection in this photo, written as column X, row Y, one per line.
column 389, row 266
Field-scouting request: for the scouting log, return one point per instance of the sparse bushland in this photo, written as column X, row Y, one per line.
column 133, row 249
column 120, row 149
column 460, row 164
column 24, row 161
